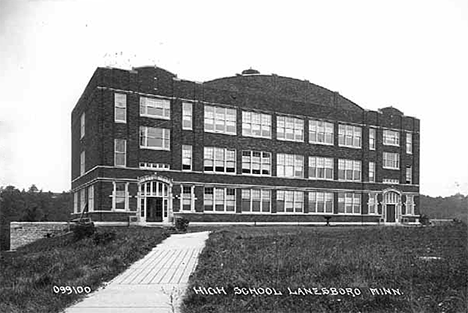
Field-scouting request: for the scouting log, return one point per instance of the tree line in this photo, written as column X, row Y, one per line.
column 34, row 205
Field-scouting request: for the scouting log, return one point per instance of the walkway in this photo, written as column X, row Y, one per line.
column 154, row 284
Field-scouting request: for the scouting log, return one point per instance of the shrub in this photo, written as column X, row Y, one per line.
column 424, row 220
column 181, row 224
column 81, row 231
column 102, row 238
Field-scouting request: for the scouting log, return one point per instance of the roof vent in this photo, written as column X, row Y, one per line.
column 250, row 71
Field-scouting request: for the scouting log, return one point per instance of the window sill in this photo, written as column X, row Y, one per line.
column 155, row 117
column 154, row 148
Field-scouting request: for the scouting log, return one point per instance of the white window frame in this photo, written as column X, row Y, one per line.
column 288, row 165
column 293, row 197
column 346, row 165
column 250, row 195
column 163, row 105
column 187, row 157
column 350, row 133
column 409, row 205
column 187, row 115
column 409, row 143
column 322, row 165
column 373, row 204
column 154, row 166
column 91, row 198
column 321, row 132
column 75, row 201
column 263, row 163
column 210, row 156
column 409, row 175
column 120, row 105
column 325, row 197
column 349, row 198
column 391, row 161
column 391, row 138
column 222, row 118
column 372, row 138
column 372, row 170
column 190, row 198
column 82, row 162
column 114, row 197
column 83, row 200
column 82, row 125
column 165, row 140
column 292, row 126
column 258, row 122
column 220, row 191
column 117, row 153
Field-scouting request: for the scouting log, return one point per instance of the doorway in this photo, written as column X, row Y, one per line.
column 154, row 209
column 391, row 213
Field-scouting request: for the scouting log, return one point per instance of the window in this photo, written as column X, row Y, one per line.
column 187, row 115
column 256, row 124
column 391, row 138
column 83, row 201
column 120, row 108
column 320, row 132
column 409, row 205
column 320, row 202
column 320, row 168
column 75, row 202
column 82, row 125
column 371, row 139
column 220, row 120
column 391, row 160
column 290, row 165
column 82, row 163
column 256, row 200
column 91, row 198
column 289, row 201
column 155, row 138
column 256, row 163
column 390, row 181
column 289, row 128
column 409, row 143
column 349, row 170
column 154, row 166
column 187, row 198
column 120, row 196
column 409, row 175
column 349, row 136
column 373, row 204
column 120, row 152
column 219, row 160
column 372, row 172
column 349, row 203
column 157, row 108
column 186, row 158
column 219, row 200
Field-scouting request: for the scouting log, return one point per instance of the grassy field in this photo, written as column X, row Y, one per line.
column 28, row 275
column 380, row 269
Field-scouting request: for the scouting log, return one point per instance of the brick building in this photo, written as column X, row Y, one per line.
column 247, row 148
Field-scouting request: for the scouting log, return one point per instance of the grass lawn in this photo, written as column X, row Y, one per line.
column 386, row 269
column 28, row 275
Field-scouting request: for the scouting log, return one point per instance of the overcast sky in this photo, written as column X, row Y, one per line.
column 409, row 54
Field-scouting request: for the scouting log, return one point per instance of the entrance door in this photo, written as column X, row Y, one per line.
column 391, row 213
column 154, row 209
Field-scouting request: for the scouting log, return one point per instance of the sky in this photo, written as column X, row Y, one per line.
column 410, row 54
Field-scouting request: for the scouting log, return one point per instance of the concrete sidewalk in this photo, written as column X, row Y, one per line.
column 154, row 284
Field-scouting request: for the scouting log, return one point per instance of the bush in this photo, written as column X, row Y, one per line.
column 102, row 238
column 424, row 220
column 81, row 231
column 181, row 224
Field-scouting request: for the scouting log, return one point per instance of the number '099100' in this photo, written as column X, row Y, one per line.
column 71, row 289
